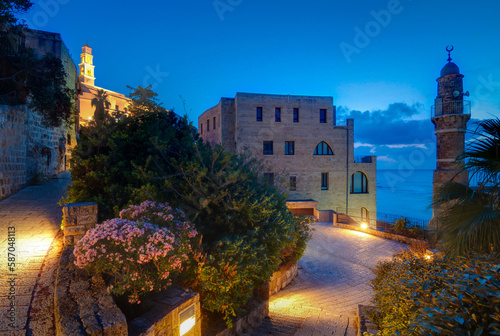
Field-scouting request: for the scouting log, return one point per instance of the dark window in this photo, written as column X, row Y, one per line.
column 293, row 183
column 324, row 181
column 259, row 113
column 125, row 110
column 289, row 147
column 359, row 183
column 201, row 128
column 323, row 149
column 116, row 107
column 322, row 116
column 69, row 139
column 277, row 114
column 268, row 148
column 214, row 123
column 208, row 125
column 269, row 177
column 295, row 115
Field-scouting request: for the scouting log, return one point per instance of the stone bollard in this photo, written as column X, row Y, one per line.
column 77, row 219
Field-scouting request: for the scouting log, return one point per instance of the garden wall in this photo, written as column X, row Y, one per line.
column 391, row 236
column 283, row 276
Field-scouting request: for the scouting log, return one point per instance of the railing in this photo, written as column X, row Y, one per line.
column 451, row 107
column 362, row 159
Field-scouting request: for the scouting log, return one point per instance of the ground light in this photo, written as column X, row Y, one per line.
column 364, row 225
column 187, row 318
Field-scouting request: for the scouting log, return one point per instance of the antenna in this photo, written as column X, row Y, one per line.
column 449, row 49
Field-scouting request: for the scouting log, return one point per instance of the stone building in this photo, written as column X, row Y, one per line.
column 28, row 150
column 88, row 91
column 450, row 115
column 299, row 141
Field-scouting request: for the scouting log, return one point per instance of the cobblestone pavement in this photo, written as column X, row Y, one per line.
column 36, row 216
column 334, row 277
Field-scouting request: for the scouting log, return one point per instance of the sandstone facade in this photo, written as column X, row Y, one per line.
column 295, row 161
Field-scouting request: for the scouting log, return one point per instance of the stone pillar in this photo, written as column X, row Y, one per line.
column 77, row 219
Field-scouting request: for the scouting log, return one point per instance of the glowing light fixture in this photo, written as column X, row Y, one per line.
column 364, row 225
column 90, row 118
column 187, row 318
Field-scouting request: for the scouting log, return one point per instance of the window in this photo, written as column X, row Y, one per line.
column 323, row 149
column 125, row 110
column 293, row 183
column 259, row 113
column 201, row 128
column 295, row 115
column 277, row 114
column 324, row 181
column 69, row 139
column 214, row 123
column 365, row 215
column 208, row 125
column 268, row 148
column 269, row 177
column 116, row 108
column 322, row 116
column 289, row 147
column 359, row 183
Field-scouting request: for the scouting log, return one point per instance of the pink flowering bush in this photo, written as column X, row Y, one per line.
column 143, row 250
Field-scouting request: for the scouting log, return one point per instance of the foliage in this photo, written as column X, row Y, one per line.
column 444, row 296
column 39, row 82
column 401, row 225
column 244, row 222
column 115, row 162
column 144, row 100
column 139, row 255
column 471, row 219
column 9, row 8
column 302, row 233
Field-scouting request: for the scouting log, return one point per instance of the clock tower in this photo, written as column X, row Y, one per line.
column 450, row 115
column 86, row 66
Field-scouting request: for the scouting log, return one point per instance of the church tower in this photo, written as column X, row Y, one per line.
column 450, row 115
column 86, row 66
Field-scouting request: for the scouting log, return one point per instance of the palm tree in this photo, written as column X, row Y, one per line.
column 471, row 221
column 101, row 103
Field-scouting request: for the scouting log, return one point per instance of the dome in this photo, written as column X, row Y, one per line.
column 450, row 69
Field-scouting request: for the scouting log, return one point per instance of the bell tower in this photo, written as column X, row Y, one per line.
column 450, row 115
column 86, row 75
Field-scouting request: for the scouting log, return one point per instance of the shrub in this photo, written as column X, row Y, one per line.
column 301, row 235
column 143, row 250
column 445, row 296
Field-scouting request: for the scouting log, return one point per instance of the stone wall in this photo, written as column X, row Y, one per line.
column 386, row 235
column 283, row 276
column 27, row 149
column 78, row 218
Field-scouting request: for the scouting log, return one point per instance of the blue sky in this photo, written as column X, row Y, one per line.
column 203, row 50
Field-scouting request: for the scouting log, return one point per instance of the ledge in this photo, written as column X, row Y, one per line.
column 386, row 235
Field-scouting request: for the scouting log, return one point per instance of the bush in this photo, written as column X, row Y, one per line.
column 142, row 251
column 302, row 233
column 445, row 296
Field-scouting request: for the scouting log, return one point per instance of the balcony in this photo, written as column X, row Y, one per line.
column 452, row 107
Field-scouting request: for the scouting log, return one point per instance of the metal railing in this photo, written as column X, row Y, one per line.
column 362, row 159
column 451, row 107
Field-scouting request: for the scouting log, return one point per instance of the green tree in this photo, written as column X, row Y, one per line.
column 144, row 100
column 471, row 220
column 8, row 10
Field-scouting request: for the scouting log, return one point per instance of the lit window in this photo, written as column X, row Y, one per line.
column 277, row 114
column 268, row 148
column 359, row 183
column 293, row 183
column 289, row 147
column 323, row 149
column 322, row 116
column 259, row 113
column 295, row 115
column 324, row 181
column 269, row 177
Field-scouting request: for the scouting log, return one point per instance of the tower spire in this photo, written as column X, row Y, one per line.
column 449, row 49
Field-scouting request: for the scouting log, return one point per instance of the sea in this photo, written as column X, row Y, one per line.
column 404, row 193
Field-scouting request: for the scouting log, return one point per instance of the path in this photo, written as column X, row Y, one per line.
column 36, row 216
column 334, row 277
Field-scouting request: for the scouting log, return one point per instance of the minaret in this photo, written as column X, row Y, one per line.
column 449, row 116
column 86, row 66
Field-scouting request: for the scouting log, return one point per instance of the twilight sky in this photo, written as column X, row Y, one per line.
column 378, row 59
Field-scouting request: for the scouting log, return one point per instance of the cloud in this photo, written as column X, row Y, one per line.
column 385, row 158
column 360, row 144
column 395, row 125
column 407, row 146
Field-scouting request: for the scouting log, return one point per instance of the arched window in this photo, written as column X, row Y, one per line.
column 359, row 183
column 323, row 149
column 365, row 215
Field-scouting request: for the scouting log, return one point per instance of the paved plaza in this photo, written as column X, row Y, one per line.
column 334, row 277
column 36, row 217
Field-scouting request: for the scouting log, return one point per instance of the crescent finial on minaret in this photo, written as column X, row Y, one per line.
column 449, row 49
